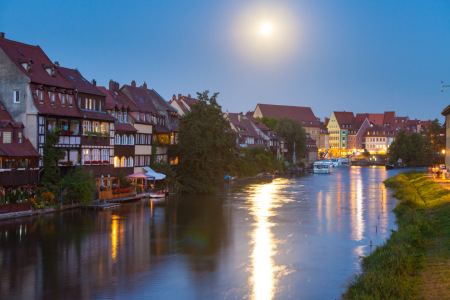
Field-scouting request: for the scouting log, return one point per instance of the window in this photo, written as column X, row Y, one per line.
column 70, row 101
column 123, row 161
column 90, row 104
column 40, row 96
column 95, row 126
column 73, row 156
column 95, row 155
column 86, row 106
column 86, row 156
column 51, row 124
column 86, row 127
column 117, row 139
column 120, row 117
column 105, row 155
column 143, row 117
column 116, row 162
column 99, row 105
column 137, row 138
column 52, row 97
column 7, row 137
column 19, row 138
column 63, row 124
column 104, row 127
column 131, row 140
column 138, row 117
column 125, row 117
column 63, row 100
column 130, row 161
column 143, row 139
column 79, row 102
column 75, row 127
column 124, row 139
column 16, row 96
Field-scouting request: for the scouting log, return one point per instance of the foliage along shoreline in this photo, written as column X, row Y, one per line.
column 393, row 270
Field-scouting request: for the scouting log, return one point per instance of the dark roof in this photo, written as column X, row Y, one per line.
column 180, row 104
column 99, row 115
column 299, row 113
column 117, row 99
column 160, row 129
column 4, row 115
column 344, row 117
column 19, row 52
column 15, row 149
column 260, row 125
column 389, row 117
column 157, row 97
column 79, row 82
column 446, row 111
column 124, row 127
column 189, row 100
column 54, row 109
column 141, row 99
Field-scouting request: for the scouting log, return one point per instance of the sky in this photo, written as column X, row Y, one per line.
column 359, row 56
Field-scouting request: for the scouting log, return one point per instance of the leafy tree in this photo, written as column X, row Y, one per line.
column 80, row 184
column 256, row 160
column 172, row 178
column 433, row 133
column 206, row 146
column 269, row 122
column 411, row 148
column 292, row 131
column 51, row 158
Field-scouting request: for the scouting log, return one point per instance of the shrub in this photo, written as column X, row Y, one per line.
column 47, row 197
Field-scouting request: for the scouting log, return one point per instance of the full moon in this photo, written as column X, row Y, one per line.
column 266, row 28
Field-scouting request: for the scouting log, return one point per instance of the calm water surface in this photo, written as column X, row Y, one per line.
column 293, row 238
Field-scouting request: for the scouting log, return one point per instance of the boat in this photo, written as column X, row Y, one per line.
column 157, row 195
column 323, row 167
column 271, row 176
column 389, row 167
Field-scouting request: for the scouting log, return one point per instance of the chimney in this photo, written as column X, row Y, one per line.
column 144, row 85
column 94, row 82
column 56, row 63
column 239, row 116
column 189, row 95
column 112, row 85
column 133, row 83
column 179, row 96
column 2, row 35
column 174, row 97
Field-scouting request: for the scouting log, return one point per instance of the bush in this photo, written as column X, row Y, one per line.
column 47, row 197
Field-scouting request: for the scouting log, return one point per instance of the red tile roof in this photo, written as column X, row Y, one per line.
column 344, row 117
column 117, row 99
column 260, row 125
column 79, row 82
column 98, row 115
column 157, row 97
column 299, row 113
column 4, row 115
column 46, row 107
column 141, row 99
column 189, row 100
column 19, row 52
column 160, row 129
column 124, row 127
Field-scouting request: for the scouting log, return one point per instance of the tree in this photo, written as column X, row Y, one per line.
column 411, row 148
column 51, row 158
column 435, row 134
column 206, row 146
column 269, row 122
column 292, row 131
column 80, row 184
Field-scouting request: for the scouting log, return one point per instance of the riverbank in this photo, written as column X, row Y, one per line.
column 414, row 262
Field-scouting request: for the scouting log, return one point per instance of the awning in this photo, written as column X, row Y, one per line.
column 150, row 172
column 141, row 175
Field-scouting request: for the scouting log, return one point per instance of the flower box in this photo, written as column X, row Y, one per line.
column 105, row 162
column 66, row 132
column 87, row 162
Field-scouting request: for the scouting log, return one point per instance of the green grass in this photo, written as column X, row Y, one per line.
column 395, row 269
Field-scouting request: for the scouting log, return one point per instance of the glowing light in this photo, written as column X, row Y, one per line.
column 266, row 28
column 114, row 237
column 263, row 278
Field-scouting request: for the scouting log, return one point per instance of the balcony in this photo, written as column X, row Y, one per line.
column 18, row 177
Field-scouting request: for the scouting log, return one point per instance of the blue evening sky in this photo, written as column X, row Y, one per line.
column 360, row 56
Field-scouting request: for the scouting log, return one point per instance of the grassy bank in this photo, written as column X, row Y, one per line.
column 396, row 269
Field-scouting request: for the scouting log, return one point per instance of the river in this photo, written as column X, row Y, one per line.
column 293, row 238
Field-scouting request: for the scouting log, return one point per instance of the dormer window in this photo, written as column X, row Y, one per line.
column 100, row 105
column 70, row 101
column 138, row 117
column 7, row 137
column 125, row 117
column 19, row 138
column 120, row 117
column 40, row 96
column 143, row 116
column 52, row 98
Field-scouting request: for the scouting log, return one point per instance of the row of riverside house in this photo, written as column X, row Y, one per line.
column 373, row 133
column 108, row 130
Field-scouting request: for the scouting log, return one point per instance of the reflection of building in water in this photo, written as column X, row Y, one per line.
column 78, row 254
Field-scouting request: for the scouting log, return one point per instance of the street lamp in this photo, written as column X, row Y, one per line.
column 443, row 151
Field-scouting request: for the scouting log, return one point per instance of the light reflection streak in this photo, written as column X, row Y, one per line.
column 114, row 237
column 263, row 278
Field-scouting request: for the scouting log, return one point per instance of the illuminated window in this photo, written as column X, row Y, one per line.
column 86, row 155
column 104, row 127
column 96, row 155
column 95, row 126
column 86, row 127
column 123, row 161
column 116, row 162
column 105, row 155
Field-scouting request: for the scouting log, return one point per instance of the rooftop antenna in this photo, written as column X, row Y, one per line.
column 443, row 86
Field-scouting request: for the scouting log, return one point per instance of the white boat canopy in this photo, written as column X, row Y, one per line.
column 150, row 172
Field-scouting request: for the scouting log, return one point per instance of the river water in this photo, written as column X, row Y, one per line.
column 293, row 238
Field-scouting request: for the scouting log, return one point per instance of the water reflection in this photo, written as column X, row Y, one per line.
column 262, row 208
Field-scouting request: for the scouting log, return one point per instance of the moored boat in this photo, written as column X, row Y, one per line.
column 389, row 167
column 323, row 167
column 157, row 195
